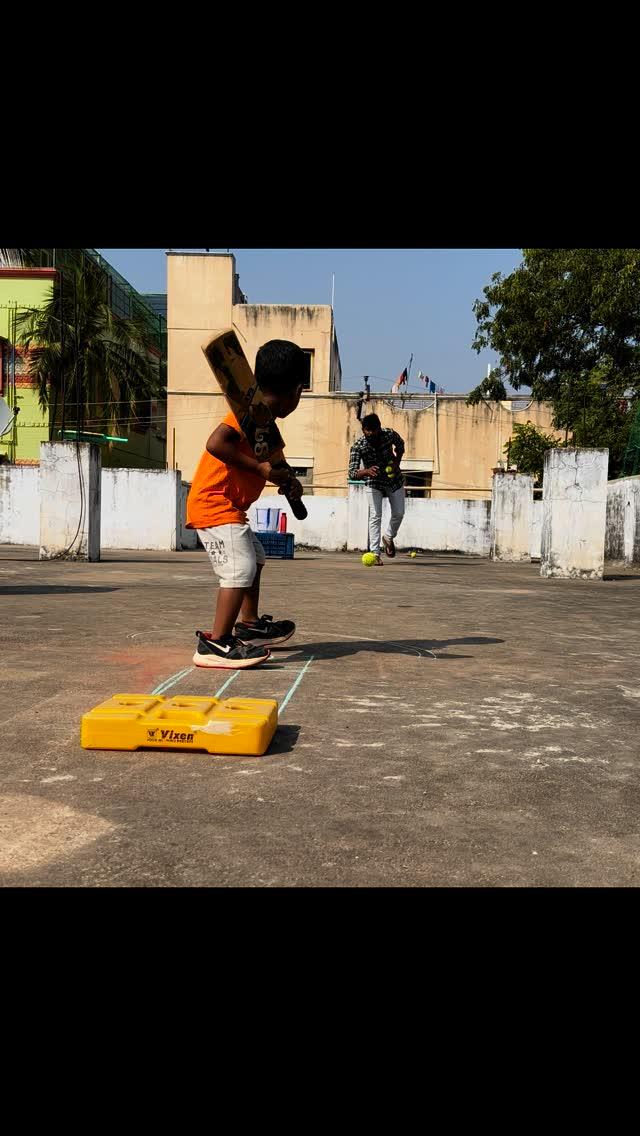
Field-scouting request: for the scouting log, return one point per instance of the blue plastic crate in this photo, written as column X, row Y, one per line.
column 277, row 545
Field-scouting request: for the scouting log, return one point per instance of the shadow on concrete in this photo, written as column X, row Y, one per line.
column 418, row 648
column 195, row 564
column 49, row 590
column 401, row 561
column 284, row 740
column 627, row 578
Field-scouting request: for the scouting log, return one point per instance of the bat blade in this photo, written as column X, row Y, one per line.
column 231, row 368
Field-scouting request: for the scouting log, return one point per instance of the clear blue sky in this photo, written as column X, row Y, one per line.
column 388, row 302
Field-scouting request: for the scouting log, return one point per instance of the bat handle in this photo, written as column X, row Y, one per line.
column 297, row 507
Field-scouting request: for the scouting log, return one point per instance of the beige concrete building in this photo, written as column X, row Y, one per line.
column 451, row 448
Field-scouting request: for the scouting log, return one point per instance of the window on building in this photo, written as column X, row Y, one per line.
column 418, row 484
column 304, row 473
column 308, row 382
column 13, row 362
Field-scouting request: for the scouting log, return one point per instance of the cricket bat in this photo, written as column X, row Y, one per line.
column 229, row 364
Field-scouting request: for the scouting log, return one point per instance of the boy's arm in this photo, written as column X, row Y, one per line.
column 224, row 445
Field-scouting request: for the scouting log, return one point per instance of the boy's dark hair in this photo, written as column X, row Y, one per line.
column 371, row 422
column 281, row 366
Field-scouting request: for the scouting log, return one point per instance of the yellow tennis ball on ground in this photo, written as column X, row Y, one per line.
column 413, row 555
column 369, row 558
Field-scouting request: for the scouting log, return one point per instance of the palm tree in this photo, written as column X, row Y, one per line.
column 85, row 359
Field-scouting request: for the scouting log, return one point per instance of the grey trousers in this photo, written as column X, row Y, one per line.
column 396, row 502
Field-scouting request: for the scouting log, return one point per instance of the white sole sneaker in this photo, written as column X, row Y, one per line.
column 213, row 663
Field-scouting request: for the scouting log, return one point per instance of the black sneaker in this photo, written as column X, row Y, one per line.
column 265, row 632
column 227, row 653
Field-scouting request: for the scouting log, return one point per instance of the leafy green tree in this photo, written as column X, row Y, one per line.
column 566, row 324
column 81, row 354
column 527, row 448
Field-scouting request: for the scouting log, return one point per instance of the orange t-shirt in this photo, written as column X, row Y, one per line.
column 220, row 493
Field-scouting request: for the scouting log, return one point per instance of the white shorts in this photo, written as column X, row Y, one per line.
column 235, row 552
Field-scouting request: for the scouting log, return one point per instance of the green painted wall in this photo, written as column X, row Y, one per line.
column 22, row 293
column 143, row 451
column 31, row 427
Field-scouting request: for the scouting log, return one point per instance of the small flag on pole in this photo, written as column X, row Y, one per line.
column 400, row 382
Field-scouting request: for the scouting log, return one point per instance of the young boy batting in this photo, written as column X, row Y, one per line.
column 227, row 481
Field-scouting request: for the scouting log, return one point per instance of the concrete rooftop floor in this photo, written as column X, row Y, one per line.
column 456, row 723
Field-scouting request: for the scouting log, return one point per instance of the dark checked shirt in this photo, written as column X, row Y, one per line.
column 364, row 454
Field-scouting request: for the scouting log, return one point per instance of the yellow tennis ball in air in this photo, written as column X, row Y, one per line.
column 369, row 558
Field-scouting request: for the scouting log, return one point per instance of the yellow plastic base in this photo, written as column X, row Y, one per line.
column 137, row 721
